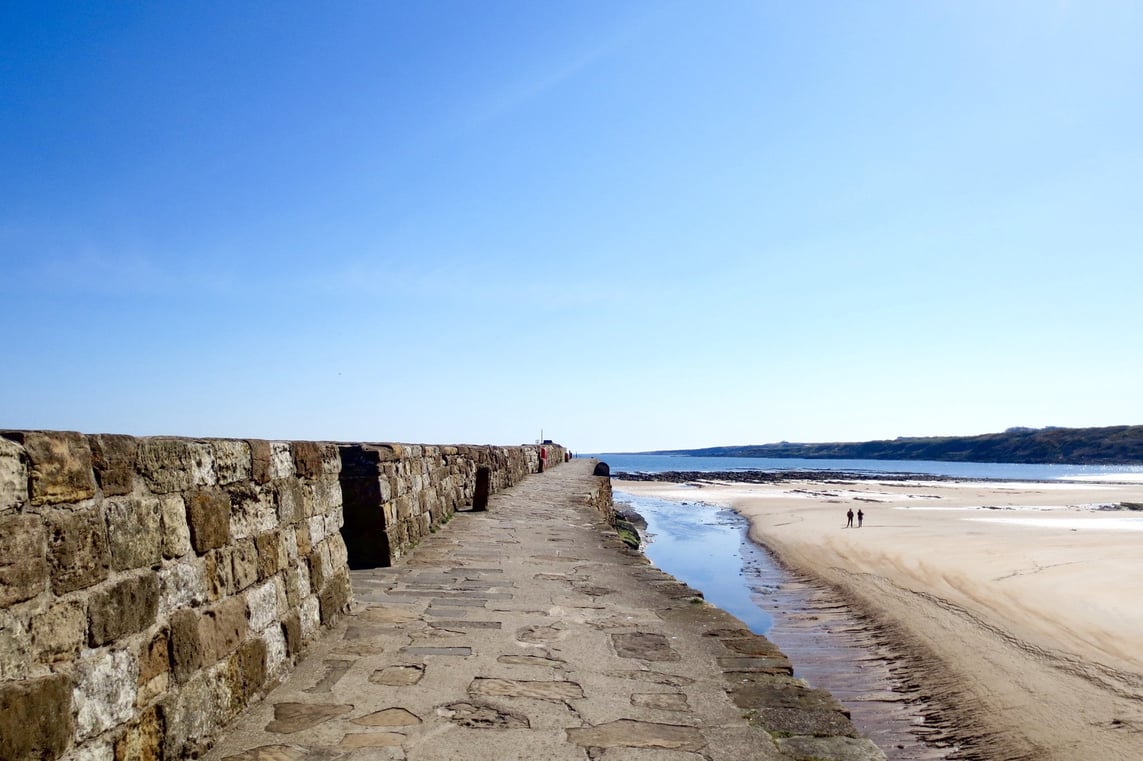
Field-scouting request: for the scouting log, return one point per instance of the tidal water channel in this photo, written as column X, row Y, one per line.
column 829, row 645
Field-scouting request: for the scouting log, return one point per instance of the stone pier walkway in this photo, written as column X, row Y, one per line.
column 531, row 632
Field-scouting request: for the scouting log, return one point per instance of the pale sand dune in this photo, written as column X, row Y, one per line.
column 1027, row 619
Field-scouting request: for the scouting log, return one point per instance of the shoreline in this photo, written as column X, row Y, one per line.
column 1022, row 636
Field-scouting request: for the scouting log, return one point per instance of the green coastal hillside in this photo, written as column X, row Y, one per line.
column 1115, row 445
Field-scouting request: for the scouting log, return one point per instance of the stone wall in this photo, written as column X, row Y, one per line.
column 152, row 588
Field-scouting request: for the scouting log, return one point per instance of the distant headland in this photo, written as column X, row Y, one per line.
column 1113, row 445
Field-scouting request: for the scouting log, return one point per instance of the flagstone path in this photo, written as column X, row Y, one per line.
column 531, row 632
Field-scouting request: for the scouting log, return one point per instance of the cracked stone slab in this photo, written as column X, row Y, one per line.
column 389, row 717
column 653, row 677
column 664, row 701
column 483, row 716
column 541, row 634
column 335, row 670
column 466, row 624
column 398, row 676
column 758, row 665
column 515, row 688
column 451, row 651
column 294, row 717
column 644, row 646
column 531, row 660
column 628, row 733
column 388, row 614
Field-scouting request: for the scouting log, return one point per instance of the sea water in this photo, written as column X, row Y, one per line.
column 644, row 463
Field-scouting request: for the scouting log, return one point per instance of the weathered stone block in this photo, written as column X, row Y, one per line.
column 247, row 672
column 106, row 684
column 154, row 666
column 281, row 460
column 259, row 460
column 219, row 572
column 127, row 607
column 244, row 564
column 195, row 712
column 23, row 558
column 77, row 548
column 208, row 516
column 319, row 568
column 310, row 617
column 35, row 718
column 134, row 533
column 13, row 476
column 181, row 585
column 176, row 530
column 271, row 554
column 308, row 458
column 276, row 662
column 222, row 628
column 252, row 511
column 59, row 632
column 15, row 647
column 232, row 460
column 185, row 644
column 292, row 634
column 113, row 457
column 59, row 466
column 262, row 606
column 143, row 740
column 175, row 465
column 302, row 537
column 99, row 749
column 317, row 528
column 289, row 499
column 334, row 598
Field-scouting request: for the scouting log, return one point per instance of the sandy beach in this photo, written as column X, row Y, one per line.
column 1020, row 604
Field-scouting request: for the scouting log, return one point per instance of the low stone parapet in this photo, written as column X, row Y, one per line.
column 152, row 588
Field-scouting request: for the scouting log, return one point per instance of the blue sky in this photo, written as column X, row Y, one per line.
column 633, row 225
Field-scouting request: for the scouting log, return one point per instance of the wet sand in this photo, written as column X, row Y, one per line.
column 1019, row 605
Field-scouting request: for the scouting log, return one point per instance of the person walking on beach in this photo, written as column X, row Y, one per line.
column 860, row 517
column 849, row 517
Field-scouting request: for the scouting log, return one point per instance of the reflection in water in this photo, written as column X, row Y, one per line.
column 707, row 547
column 702, row 545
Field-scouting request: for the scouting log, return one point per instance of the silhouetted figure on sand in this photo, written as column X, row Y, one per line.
column 849, row 518
column 860, row 517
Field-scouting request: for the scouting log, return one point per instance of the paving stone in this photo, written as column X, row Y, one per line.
column 334, row 671
column 515, row 688
column 832, row 748
column 398, row 676
column 484, row 716
column 532, row 660
column 645, row 646
column 449, row 651
column 389, row 717
column 664, row 701
column 638, row 734
column 294, row 717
